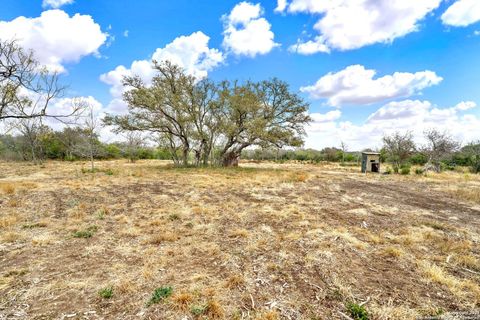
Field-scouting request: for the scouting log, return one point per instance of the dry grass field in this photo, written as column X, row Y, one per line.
column 263, row 241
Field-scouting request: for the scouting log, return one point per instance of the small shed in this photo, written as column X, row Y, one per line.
column 370, row 162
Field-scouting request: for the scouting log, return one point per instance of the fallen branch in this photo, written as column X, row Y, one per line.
column 344, row 315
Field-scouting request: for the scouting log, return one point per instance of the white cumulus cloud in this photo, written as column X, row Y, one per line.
column 462, row 13
column 189, row 52
column 55, row 37
column 352, row 24
column 246, row 32
column 357, row 85
column 55, row 3
column 281, row 5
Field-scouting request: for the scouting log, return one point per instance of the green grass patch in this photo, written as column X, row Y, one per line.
column 357, row 312
column 160, row 294
column 87, row 233
column 106, row 293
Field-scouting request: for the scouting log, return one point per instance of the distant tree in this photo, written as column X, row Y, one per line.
column 331, row 154
column 70, row 138
column 439, row 146
column 344, row 148
column 133, row 145
column 32, row 131
column 398, row 147
column 472, row 154
column 89, row 146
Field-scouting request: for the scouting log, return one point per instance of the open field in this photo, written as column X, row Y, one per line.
column 264, row 241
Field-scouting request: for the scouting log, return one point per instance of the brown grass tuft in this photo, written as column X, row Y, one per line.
column 239, row 233
column 214, row 309
column 392, row 252
column 7, row 188
column 182, row 300
column 162, row 237
column 7, row 221
column 269, row 315
column 235, row 281
column 11, row 236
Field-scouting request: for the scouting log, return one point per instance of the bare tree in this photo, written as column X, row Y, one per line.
column 90, row 125
column 344, row 148
column 26, row 87
column 399, row 148
column 134, row 142
column 439, row 146
column 31, row 130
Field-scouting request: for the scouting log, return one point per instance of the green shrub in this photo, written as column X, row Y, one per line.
column 418, row 159
column 405, row 170
column 160, row 294
column 109, row 172
column 198, row 310
column 88, row 233
column 419, row 171
column 388, row 170
column 357, row 312
column 106, row 293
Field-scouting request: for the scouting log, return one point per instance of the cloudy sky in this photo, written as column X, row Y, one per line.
column 367, row 67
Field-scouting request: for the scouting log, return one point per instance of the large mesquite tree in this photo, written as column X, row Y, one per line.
column 264, row 113
column 193, row 118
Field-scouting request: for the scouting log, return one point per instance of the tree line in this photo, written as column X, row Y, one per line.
column 440, row 151
column 42, row 143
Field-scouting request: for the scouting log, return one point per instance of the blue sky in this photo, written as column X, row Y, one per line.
column 434, row 44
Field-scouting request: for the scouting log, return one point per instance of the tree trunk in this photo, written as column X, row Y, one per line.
column 91, row 157
column 185, row 157
column 230, row 159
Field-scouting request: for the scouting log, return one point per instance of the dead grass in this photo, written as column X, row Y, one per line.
column 263, row 241
column 7, row 188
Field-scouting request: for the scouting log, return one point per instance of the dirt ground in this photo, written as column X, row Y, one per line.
column 264, row 241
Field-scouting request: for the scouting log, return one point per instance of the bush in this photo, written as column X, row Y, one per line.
column 357, row 312
column 419, row 171
column 106, row 293
column 418, row 159
column 160, row 294
column 405, row 170
column 88, row 233
column 475, row 167
column 388, row 170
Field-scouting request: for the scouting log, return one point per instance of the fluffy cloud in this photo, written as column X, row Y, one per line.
column 462, row 13
column 322, row 121
column 347, row 24
column 189, row 52
column 55, row 37
column 281, row 5
column 408, row 115
column 246, row 32
column 55, row 3
column 356, row 85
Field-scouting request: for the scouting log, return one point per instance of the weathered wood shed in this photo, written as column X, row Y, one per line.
column 370, row 162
